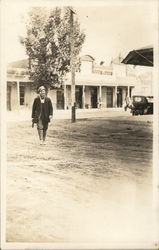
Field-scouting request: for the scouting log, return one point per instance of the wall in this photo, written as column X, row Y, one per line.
column 119, row 70
column 145, row 76
column 14, row 95
column 104, row 97
column 87, row 96
column 142, row 83
column 53, row 97
column 30, row 94
column 124, row 91
column 86, row 67
column 68, row 97
column 114, row 97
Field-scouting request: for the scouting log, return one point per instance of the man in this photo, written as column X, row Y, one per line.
column 42, row 112
column 127, row 103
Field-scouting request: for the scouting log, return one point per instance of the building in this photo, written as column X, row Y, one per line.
column 97, row 86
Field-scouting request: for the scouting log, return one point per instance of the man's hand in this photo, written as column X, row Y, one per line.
column 50, row 117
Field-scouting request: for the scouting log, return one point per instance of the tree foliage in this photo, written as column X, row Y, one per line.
column 48, row 45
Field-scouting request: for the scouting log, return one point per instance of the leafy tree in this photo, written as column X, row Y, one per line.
column 47, row 44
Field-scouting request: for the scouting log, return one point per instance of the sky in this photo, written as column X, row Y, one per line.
column 111, row 27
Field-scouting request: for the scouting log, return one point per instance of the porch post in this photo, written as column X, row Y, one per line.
column 128, row 95
column 83, row 96
column 65, row 104
column 18, row 94
column 100, row 97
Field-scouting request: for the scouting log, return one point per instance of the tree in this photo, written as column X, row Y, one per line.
column 47, row 44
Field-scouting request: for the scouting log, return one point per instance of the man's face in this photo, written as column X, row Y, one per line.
column 42, row 93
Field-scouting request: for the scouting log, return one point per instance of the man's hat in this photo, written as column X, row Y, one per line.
column 41, row 88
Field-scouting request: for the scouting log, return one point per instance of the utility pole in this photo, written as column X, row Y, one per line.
column 72, row 63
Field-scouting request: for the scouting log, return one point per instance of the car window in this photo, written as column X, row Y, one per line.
column 137, row 99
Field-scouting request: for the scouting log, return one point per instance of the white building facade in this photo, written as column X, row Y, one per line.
column 96, row 86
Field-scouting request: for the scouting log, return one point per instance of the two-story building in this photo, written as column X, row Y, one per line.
column 96, row 86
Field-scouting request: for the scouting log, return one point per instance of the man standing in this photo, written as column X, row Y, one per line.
column 42, row 112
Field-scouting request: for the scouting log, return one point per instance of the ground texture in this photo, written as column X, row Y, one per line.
column 92, row 182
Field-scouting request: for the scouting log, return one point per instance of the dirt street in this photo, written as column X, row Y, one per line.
column 90, row 183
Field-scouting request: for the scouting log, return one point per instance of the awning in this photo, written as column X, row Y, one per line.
column 143, row 57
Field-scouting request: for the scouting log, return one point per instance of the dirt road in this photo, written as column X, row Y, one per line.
column 90, row 183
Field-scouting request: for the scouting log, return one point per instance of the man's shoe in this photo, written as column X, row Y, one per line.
column 41, row 142
column 44, row 142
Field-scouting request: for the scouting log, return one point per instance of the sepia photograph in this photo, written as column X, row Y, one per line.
column 79, row 124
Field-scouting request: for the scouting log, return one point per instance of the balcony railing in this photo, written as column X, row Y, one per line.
column 17, row 72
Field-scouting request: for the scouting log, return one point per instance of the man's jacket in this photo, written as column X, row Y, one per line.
column 37, row 108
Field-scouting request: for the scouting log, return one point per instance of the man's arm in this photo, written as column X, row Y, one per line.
column 34, row 108
column 50, row 108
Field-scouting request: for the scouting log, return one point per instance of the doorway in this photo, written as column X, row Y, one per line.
column 22, row 94
column 109, row 97
column 131, row 91
column 93, row 97
column 79, row 97
column 119, row 97
column 60, row 99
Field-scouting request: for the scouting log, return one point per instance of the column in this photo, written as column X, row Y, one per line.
column 123, row 96
column 83, row 96
column 65, row 97
column 100, row 97
column 128, row 95
column 18, row 95
column 115, row 96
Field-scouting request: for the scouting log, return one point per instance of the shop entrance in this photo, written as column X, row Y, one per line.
column 119, row 97
column 60, row 99
column 79, row 97
column 22, row 94
column 109, row 97
column 93, row 97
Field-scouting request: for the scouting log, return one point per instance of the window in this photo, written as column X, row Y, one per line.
column 137, row 99
column 21, row 95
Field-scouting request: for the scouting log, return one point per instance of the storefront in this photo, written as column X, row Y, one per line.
column 96, row 87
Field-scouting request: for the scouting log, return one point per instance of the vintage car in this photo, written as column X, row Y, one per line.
column 141, row 105
column 150, row 104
